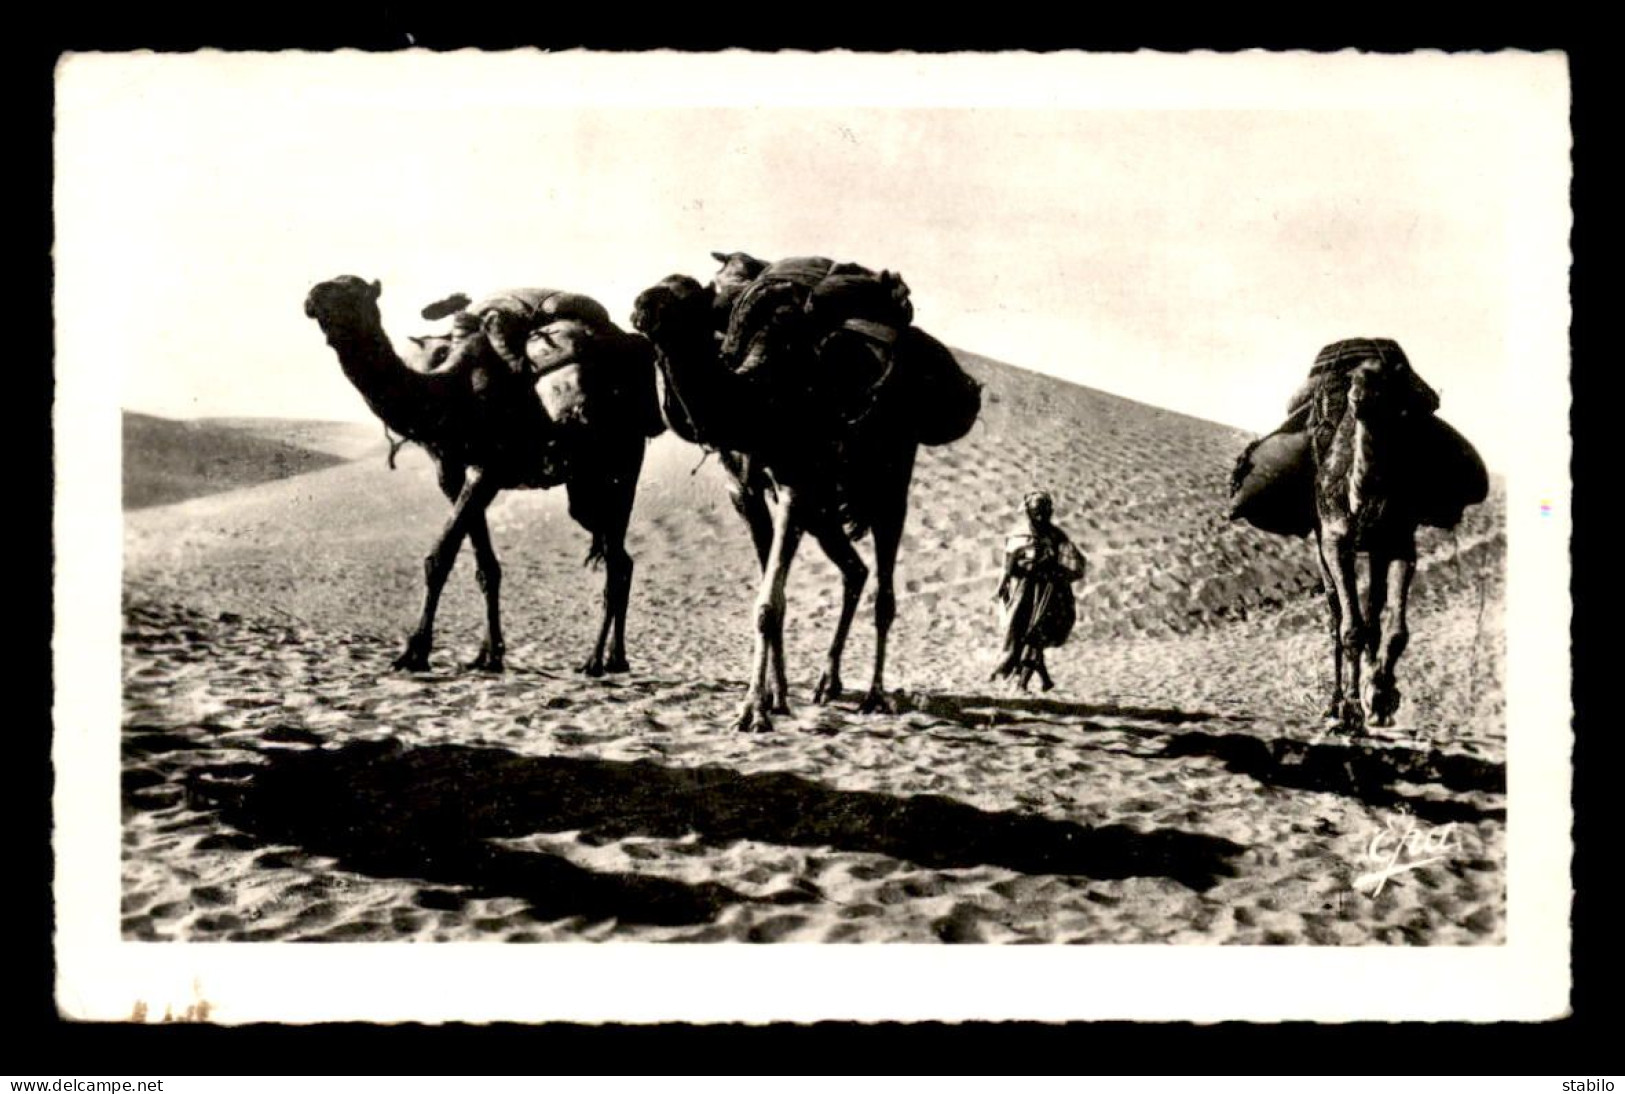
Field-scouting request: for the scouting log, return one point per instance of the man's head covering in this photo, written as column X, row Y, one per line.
column 1038, row 500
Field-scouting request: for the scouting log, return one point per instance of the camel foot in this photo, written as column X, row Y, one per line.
column 594, row 667
column 828, row 689
column 1346, row 717
column 875, row 702
column 617, row 664
column 486, row 661
column 753, row 719
column 413, row 659
column 1381, row 703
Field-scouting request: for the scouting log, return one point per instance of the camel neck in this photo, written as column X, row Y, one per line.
column 1365, row 467
column 394, row 391
column 692, row 375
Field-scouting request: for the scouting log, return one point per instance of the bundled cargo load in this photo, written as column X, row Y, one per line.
column 1272, row 486
column 586, row 371
column 847, row 338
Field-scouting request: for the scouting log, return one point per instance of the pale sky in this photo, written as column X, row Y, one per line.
column 1193, row 251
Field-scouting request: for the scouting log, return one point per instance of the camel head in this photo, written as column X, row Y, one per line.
column 1385, row 386
column 345, row 303
column 1371, row 390
column 671, row 306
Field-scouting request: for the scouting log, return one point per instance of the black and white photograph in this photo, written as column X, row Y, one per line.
column 888, row 511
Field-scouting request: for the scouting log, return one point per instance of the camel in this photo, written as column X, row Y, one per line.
column 484, row 445
column 1383, row 466
column 810, row 460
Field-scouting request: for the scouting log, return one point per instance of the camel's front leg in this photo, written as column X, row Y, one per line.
column 853, row 574
column 1334, row 709
column 767, row 687
column 1371, row 614
column 1380, row 697
column 749, row 495
column 472, row 500
column 1351, row 634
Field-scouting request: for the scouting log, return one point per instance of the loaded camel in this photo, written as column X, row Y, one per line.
column 817, row 416
column 487, row 430
column 1363, row 463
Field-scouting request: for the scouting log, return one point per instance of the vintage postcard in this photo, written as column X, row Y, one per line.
column 779, row 537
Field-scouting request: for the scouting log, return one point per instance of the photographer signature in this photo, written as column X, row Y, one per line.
column 1401, row 846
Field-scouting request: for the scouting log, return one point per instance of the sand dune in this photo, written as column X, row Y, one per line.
column 281, row 783
column 168, row 461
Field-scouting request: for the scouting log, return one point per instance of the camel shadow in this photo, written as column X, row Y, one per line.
column 432, row 813
column 974, row 711
column 1354, row 768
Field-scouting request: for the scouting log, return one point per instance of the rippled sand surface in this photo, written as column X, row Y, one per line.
column 280, row 782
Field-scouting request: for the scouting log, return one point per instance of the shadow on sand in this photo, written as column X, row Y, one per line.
column 1354, row 767
column 431, row 812
column 973, row 711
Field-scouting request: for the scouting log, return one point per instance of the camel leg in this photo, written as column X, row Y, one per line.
column 452, row 475
column 1371, row 611
column 488, row 573
column 618, row 561
column 1380, row 699
column 603, row 506
column 475, row 495
column 759, row 700
column 888, row 533
column 1338, row 553
column 853, row 574
column 750, row 502
column 609, row 651
column 1334, row 709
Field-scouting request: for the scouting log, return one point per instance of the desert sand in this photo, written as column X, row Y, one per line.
column 281, row 783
